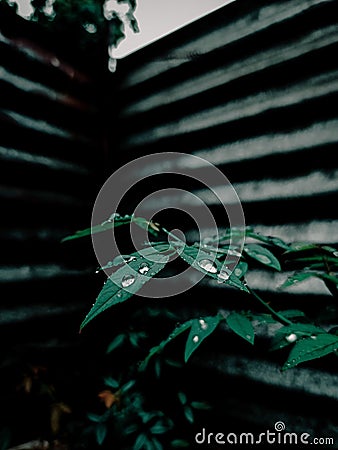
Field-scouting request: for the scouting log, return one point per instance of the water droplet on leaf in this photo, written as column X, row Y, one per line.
column 203, row 324
column 223, row 276
column 144, row 268
column 291, row 337
column 127, row 280
column 234, row 253
column 207, row 265
column 130, row 259
column 195, row 339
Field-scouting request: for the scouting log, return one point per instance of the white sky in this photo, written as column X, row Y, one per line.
column 156, row 18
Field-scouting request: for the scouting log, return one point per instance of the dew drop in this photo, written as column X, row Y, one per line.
column 238, row 272
column 97, row 270
column 127, row 280
column 207, row 265
column 144, row 268
column 234, row 253
column 313, row 337
column 291, row 337
column 248, row 337
column 203, row 324
column 130, row 259
column 195, row 339
column 223, row 275
column 113, row 216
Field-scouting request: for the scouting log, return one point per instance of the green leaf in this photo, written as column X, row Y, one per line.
column 180, row 443
column 126, row 281
column 125, row 388
column 141, row 440
column 292, row 313
column 101, row 433
column 209, row 265
column 277, row 242
column 156, row 444
column 173, row 363
column 114, row 221
column 130, row 429
column 301, row 247
column 200, row 329
column 278, row 342
column 310, row 348
column 181, row 328
column 115, row 343
column 298, row 277
column 200, row 405
column 111, row 382
column 262, row 255
column 241, row 269
column 301, row 329
column 189, row 414
column 241, row 325
column 134, row 337
column 289, row 334
column 182, row 397
column 94, row 417
column 159, row 428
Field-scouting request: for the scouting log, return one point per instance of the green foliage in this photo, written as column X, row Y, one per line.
column 200, row 330
column 207, row 258
column 303, row 339
column 127, row 281
column 242, row 326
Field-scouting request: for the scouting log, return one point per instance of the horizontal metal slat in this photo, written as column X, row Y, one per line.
column 248, row 107
column 240, row 27
column 37, row 272
column 22, row 157
column 265, row 59
column 40, row 126
column 39, row 90
column 37, row 54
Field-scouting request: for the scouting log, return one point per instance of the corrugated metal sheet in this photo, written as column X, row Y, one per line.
column 253, row 89
column 50, row 164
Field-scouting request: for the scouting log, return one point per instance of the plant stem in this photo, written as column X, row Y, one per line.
column 274, row 313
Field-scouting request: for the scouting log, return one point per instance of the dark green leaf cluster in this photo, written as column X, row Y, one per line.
column 222, row 261
column 83, row 23
column 134, row 270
